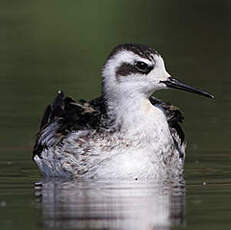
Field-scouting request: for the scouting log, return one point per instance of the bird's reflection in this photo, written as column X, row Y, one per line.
column 110, row 205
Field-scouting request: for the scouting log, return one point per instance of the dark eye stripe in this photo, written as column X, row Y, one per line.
column 126, row 69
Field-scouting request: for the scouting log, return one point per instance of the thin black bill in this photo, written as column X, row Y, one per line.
column 176, row 84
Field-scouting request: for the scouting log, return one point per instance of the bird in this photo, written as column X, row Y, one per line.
column 126, row 133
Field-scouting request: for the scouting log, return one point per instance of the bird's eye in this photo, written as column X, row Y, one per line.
column 142, row 66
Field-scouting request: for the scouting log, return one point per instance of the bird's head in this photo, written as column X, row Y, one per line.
column 133, row 69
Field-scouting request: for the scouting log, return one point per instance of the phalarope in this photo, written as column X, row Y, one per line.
column 125, row 133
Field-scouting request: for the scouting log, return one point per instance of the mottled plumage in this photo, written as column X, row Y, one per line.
column 65, row 115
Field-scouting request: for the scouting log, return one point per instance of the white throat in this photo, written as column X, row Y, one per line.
column 134, row 115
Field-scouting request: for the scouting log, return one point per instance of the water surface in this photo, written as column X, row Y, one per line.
column 109, row 205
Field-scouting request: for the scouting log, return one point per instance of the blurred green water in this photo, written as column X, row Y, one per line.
column 46, row 46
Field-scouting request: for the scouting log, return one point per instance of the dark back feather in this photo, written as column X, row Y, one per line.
column 65, row 115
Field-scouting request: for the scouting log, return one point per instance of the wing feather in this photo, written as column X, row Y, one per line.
column 64, row 116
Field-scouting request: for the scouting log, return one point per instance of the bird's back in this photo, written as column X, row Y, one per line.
column 64, row 116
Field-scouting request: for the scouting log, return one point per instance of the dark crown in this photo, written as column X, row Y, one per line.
column 139, row 49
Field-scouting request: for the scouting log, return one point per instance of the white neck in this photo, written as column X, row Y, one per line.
column 134, row 114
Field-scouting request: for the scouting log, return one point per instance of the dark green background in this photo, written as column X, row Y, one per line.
column 51, row 45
